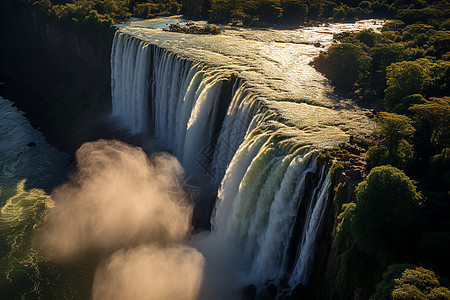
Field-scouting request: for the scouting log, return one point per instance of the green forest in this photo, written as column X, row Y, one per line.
column 399, row 226
column 249, row 12
column 108, row 11
column 393, row 241
column 294, row 12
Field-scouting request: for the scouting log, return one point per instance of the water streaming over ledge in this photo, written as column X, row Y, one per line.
column 245, row 111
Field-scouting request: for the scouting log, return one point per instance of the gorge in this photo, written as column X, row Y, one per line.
column 246, row 117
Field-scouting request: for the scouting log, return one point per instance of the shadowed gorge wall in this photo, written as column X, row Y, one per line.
column 55, row 72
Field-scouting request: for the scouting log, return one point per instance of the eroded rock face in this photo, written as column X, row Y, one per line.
column 78, row 46
column 60, row 76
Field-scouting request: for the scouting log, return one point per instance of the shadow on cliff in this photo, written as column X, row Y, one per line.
column 57, row 75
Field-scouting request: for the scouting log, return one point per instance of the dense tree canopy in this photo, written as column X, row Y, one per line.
column 403, row 79
column 345, row 56
column 434, row 116
column 409, row 282
column 409, row 75
column 439, row 172
column 253, row 12
column 394, row 148
column 109, row 12
column 385, row 212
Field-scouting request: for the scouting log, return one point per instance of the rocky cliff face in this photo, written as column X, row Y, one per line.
column 55, row 72
column 79, row 47
column 345, row 195
column 345, row 179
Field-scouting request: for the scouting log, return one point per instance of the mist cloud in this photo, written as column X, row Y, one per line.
column 130, row 213
column 147, row 272
column 117, row 198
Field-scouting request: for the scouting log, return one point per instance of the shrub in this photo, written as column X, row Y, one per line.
column 344, row 57
column 393, row 25
column 294, row 11
column 368, row 37
column 344, row 223
column 211, row 29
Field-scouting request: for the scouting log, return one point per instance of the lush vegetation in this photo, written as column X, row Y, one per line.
column 264, row 12
column 388, row 224
column 404, row 70
column 107, row 12
column 193, row 29
column 386, row 213
column 410, row 282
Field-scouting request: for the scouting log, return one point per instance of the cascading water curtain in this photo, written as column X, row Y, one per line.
column 179, row 100
column 129, row 82
column 262, row 177
column 259, row 199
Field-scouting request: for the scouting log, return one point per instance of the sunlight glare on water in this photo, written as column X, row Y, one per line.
column 275, row 64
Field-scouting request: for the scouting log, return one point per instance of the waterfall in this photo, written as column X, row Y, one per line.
column 179, row 101
column 312, row 223
column 258, row 202
column 219, row 128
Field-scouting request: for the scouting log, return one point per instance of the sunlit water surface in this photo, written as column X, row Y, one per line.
column 275, row 63
column 29, row 169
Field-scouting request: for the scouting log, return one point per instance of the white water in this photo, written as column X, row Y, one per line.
column 183, row 99
column 246, row 112
column 312, row 223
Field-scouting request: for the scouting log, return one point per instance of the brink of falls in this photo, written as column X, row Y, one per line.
column 246, row 112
